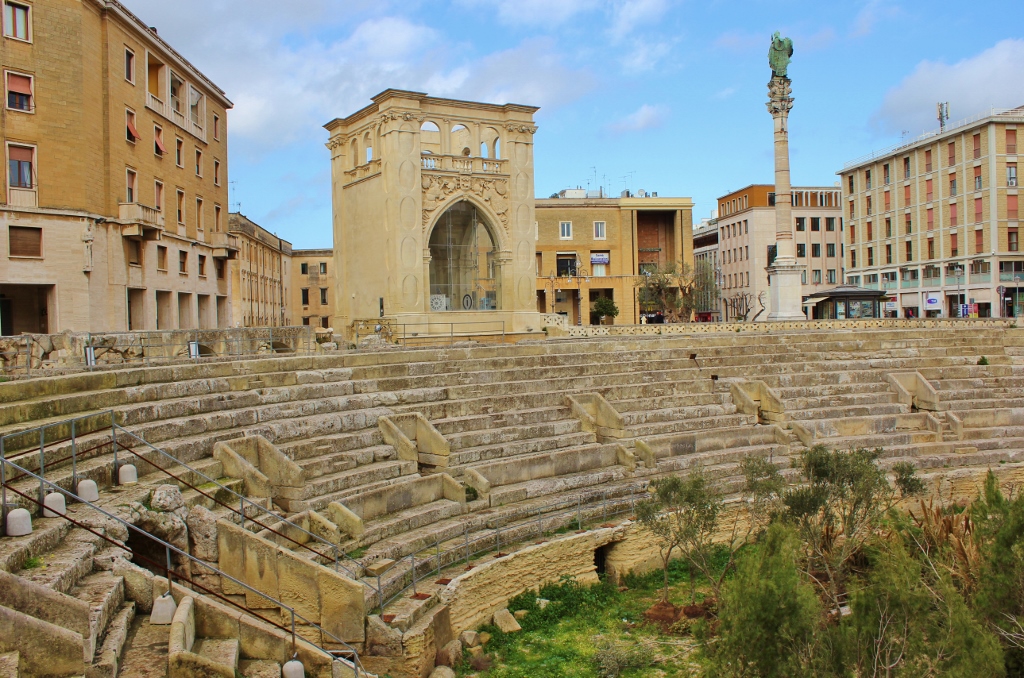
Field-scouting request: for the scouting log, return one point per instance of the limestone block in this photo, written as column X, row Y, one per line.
column 87, row 490
column 381, row 639
column 259, row 640
column 166, row 498
column 260, row 668
column 342, row 608
column 19, row 523
column 202, row 534
column 442, row 672
column 45, row 649
column 297, row 585
column 138, row 583
column 469, row 638
column 504, row 620
column 236, row 466
column 450, row 654
column 484, row 638
column 127, row 475
column 43, row 603
column 324, row 528
column 542, row 603
column 164, row 610
column 346, row 520
column 520, row 614
column 231, row 556
column 378, row 567
column 213, row 620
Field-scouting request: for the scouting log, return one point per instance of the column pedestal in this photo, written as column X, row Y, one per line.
column 786, row 290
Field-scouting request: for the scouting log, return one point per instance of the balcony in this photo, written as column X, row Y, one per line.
column 890, row 285
column 463, row 164
column 225, row 245
column 981, row 278
column 908, row 283
column 22, row 197
column 159, row 106
column 139, row 221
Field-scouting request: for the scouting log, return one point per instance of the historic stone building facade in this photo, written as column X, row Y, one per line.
column 434, row 214
column 935, row 222
column 260, row 276
column 313, row 287
column 589, row 247
column 114, row 196
column 747, row 237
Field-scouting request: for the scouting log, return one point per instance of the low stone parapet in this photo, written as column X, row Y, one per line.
column 267, row 472
column 352, row 515
column 415, row 439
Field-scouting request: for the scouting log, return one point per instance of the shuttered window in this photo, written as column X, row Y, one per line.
column 25, row 241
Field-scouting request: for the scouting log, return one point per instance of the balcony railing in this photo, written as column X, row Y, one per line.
column 140, row 221
column 22, row 197
column 906, row 284
column 225, row 245
column 158, row 105
column 459, row 163
column 981, row 277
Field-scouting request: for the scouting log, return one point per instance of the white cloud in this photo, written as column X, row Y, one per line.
column 644, row 118
column 645, row 55
column 535, row 12
column 971, row 86
column 628, row 15
column 870, row 14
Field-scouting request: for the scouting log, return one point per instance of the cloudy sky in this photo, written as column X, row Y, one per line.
column 665, row 95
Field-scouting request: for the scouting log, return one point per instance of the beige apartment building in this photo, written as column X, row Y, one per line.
column 746, row 245
column 589, row 246
column 259, row 275
column 935, row 221
column 112, row 214
column 705, row 251
column 313, row 286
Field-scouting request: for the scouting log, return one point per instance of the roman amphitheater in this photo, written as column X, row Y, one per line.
column 357, row 511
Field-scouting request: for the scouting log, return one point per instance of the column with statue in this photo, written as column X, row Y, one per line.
column 785, row 273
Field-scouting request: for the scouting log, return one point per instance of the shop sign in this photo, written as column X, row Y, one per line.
column 600, row 258
column 932, row 302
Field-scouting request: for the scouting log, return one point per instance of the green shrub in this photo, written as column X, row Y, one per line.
column 471, row 493
column 983, row 360
column 614, row 657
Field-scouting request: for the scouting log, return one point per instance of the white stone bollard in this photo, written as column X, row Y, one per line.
column 127, row 475
column 163, row 610
column 87, row 490
column 54, row 505
column 293, row 669
column 19, row 523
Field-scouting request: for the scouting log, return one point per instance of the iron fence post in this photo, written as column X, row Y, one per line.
column 167, row 552
column 74, row 460
column 3, row 489
column 497, row 538
column 241, row 511
column 412, row 559
column 540, row 526
column 437, row 553
column 465, row 537
column 579, row 517
column 42, row 463
column 604, row 505
column 113, row 443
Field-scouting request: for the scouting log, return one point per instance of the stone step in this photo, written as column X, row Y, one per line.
column 881, row 440
column 340, row 496
column 109, row 654
column 145, row 650
column 104, row 593
column 843, row 412
column 223, row 652
column 411, row 519
column 343, row 461
column 704, row 397
column 510, row 434
column 676, row 414
column 47, row 535
column 491, row 421
column 62, row 568
column 511, row 449
column 326, row 489
column 313, row 448
column 813, row 400
column 657, row 430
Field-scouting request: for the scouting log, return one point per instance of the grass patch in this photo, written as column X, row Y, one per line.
column 357, row 553
column 594, row 631
column 32, row 562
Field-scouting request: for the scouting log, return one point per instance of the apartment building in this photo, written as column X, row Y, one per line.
column 705, row 252
column 259, row 275
column 112, row 214
column 589, row 246
column 935, row 221
column 313, row 286
column 746, row 244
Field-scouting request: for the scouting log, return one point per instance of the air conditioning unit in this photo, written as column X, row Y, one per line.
column 1011, row 182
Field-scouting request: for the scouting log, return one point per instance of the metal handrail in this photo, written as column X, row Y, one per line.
column 170, row 548
column 539, row 515
column 242, row 500
column 390, row 329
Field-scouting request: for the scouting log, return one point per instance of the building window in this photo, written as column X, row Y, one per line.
column 801, row 223
column 1011, row 174
column 599, row 230
column 182, row 261
column 21, row 161
column 216, row 127
column 131, row 185
column 305, row 321
column 885, row 173
column 832, row 275
column 565, row 230
column 849, row 182
column 1011, row 240
column 323, row 295
column 803, row 277
column 867, row 180
column 952, row 214
column 888, row 254
column 24, row 241
column 158, row 141
column 801, row 250
column 954, row 247
column 216, row 172
column 931, row 248
column 179, row 152
column 196, row 106
column 815, row 250
column 928, row 161
column 830, row 223
column 816, row 276
column 977, row 146
column 888, row 201
column 201, row 264
column 181, row 207
column 929, row 189
column 906, row 196
column 1011, row 207
column 871, row 256
column 219, row 265
column 19, row 92
column 910, row 250
column 979, row 241
column 565, row 265
column 17, row 21
column 908, row 225
column 129, row 65
column 977, row 178
column 867, row 202
column 158, row 196
column 199, row 163
column 325, row 322
column 305, row 296
column 1011, row 142
column 906, row 168
column 134, row 252
column 304, row 268
column 161, row 258
column 977, row 210
column 830, row 249
column 870, row 231
column 931, row 218
column 853, row 258
column 952, row 153
column 952, row 184
column 200, row 222
column 131, row 133
column 323, row 268
column 216, row 218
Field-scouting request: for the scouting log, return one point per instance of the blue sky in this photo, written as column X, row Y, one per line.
column 665, row 95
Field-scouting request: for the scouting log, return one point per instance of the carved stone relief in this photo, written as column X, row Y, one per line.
column 439, row 190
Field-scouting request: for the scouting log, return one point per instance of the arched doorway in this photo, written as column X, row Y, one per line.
column 464, row 269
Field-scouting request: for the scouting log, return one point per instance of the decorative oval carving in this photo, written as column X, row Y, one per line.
column 387, row 171
column 524, row 254
column 522, row 186
column 523, row 220
column 411, row 291
column 406, row 139
column 408, row 217
column 407, row 176
column 522, row 152
column 527, row 294
column 410, row 250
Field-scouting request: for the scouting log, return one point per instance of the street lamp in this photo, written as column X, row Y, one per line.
column 959, row 286
column 581, row 273
column 552, row 281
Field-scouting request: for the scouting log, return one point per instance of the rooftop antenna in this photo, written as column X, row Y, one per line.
column 232, row 190
column 943, row 115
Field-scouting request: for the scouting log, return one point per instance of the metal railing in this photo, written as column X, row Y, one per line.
column 489, row 540
column 90, row 351
column 183, row 556
column 430, row 333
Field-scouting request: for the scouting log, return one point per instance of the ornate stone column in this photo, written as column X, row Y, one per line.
column 785, row 283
